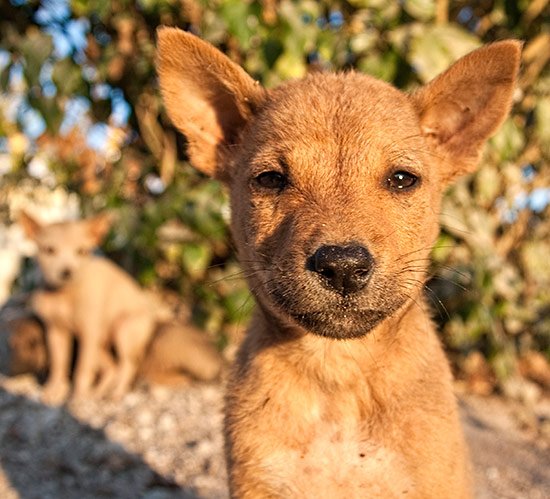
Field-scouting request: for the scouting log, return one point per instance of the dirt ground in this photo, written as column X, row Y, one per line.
column 165, row 443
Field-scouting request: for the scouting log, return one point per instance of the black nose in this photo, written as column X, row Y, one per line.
column 346, row 269
column 66, row 274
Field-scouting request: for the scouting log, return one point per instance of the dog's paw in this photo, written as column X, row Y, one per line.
column 55, row 393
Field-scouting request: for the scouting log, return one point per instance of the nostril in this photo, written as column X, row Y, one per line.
column 66, row 274
column 326, row 272
column 361, row 273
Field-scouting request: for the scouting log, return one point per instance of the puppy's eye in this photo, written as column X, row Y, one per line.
column 271, row 180
column 48, row 250
column 82, row 251
column 401, row 181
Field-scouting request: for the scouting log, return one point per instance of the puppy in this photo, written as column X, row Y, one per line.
column 341, row 388
column 27, row 347
column 176, row 354
column 91, row 298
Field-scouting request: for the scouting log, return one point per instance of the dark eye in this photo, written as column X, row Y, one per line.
column 271, row 180
column 82, row 251
column 401, row 181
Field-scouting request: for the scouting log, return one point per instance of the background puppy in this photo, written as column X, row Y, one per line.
column 91, row 298
column 176, row 354
column 341, row 388
column 27, row 347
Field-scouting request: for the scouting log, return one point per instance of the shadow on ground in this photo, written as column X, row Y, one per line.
column 45, row 450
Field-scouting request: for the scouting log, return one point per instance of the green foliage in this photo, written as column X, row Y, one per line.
column 491, row 274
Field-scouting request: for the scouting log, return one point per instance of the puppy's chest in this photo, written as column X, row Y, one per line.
column 338, row 460
column 332, row 445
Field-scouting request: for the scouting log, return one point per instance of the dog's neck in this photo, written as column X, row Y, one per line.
column 339, row 364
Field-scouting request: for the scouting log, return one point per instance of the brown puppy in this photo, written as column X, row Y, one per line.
column 341, row 388
column 176, row 354
column 27, row 347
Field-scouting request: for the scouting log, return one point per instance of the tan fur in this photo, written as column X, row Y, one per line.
column 93, row 299
column 180, row 352
column 177, row 353
column 341, row 388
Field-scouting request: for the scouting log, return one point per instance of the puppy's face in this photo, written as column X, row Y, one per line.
column 335, row 180
column 335, row 203
column 63, row 248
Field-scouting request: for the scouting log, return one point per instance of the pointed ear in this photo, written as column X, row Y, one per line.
column 99, row 225
column 460, row 109
column 30, row 226
column 208, row 97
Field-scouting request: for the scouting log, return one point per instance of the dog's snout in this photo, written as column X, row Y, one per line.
column 346, row 269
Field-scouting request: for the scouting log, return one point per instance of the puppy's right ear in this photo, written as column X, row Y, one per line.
column 208, row 97
column 29, row 224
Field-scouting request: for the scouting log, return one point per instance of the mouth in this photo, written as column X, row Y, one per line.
column 53, row 286
column 296, row 296
column 337, row 319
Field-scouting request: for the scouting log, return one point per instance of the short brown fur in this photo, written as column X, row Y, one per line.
column 338, row 391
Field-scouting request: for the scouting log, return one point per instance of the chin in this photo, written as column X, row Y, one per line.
column 341, row 326
column 335, row 317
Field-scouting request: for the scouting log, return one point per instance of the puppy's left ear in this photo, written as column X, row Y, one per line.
column 99, row 225
column 460, row 109
column 30, row 225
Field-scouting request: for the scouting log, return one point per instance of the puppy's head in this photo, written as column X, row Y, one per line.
column 63, row 247
column 335, row 180
column 28, row 353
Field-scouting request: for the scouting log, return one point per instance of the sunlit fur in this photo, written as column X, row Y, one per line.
column 337, row 395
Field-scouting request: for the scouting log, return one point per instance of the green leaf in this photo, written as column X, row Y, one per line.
column 272, row 49
column 35, row 48
column 67, row 77
column 196, row 258
column 434, row 48
column 508, row 142
column 291, row 65
column 50, row 111
column 382, row 66
column 542, row 127
column 238, row 305
column 423, row 10
column 5, row 78
column 236, row 15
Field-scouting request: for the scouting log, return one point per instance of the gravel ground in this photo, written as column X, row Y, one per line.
column 155, row 444
column 163, row 443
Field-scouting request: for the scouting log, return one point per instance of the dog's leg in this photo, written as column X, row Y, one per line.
column 107, row 374
column 131, row 338
column 86, row 365
column 57, row 386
